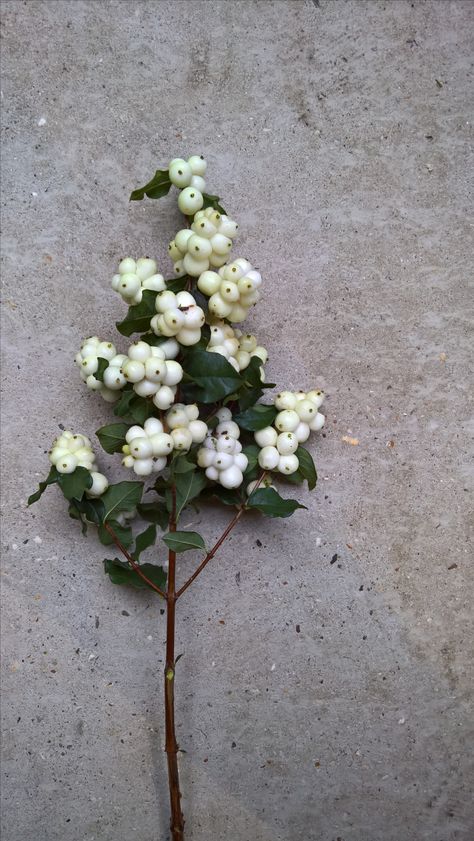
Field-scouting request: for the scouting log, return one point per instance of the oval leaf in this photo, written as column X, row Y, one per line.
column 256, row 417
column 181, row 541
column 139, row 315
column 307, row 468
column 270, row 503
column 121, row 497
column 121, row 573
column 213, row 376
column 74, row 484
column 112, row 437
column 158, row 187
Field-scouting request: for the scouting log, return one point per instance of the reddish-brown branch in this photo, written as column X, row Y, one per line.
column 224, row 535
column 171, row 745
column 131, row 561
column 213, row 551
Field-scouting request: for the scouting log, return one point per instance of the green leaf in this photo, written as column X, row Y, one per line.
column 249, row 396
column 121, row 497
column 90, row 510
column 257, row 417
column 121, row 573
column 213, row 201
column 134, row 407
column 270, row 503
column 139, row 315
column 180, row 464
column 154, row 512
column 51, row 479
column 307, row 468
column 112, row 437
column 181, row 541
column 103, row 364
column 252, row 452
column 144, row 541
column 123, row 533
column 213, row 376
column 177, row 284
column 74, row 484
column 226, row 495
column 188, row 487
column 158, row 187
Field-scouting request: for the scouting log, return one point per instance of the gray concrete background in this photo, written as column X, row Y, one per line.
column 339, row 135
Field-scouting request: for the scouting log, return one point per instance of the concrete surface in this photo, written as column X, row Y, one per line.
column 339, row 135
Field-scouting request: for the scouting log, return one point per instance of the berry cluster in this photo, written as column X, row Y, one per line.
column 221, row 455
column 207, row 243
column 147, row 448
column 189, row 177
column 70, row 451
column 135, row 276
column 185, row 427
column 178, row 315
column 297, row 418
column 237, row 347
column 87, row 360
column 152, row 372
column 232, row 290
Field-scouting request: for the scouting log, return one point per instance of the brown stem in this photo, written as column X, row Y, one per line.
column 131, row 561
column 171, row 745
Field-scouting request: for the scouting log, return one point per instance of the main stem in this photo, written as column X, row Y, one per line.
column 171, row 745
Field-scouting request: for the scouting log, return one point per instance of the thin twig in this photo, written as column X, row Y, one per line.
column 219, row 543
column 131, row 561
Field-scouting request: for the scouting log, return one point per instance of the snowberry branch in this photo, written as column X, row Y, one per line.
column 133, row 564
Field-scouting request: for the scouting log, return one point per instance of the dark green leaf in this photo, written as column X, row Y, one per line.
column 213, row 201
column 158, row 187
column 154, row 341
column 112, row 437
column 180, row 464
column 123, row 533
column 51, row 479
column 177, row 284
column 103, row 364
column 188, row 486
column 91, row 510
column 74, row 484
column 124, row 496
column 134, row 407
column 248, row 396
column 181, row 541
column 252, row 452
column 270, row 503
column 144, row 541
column 213, row 376
column 307, row 467
column 121, row 573
column 226, row 495
column 154, row 512
column 256, row 417
column 139, row 315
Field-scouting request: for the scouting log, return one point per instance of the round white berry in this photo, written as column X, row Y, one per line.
column 268, row 458
column 99, row 485
column 288, row 464
column 198, row 164
column 287, row 421
column 284, row 400
column 190, row 200
column 231, row 478
column 287, row 443
column 180, row 173
column 182, row 438
column 266, row 437
column 67, row 463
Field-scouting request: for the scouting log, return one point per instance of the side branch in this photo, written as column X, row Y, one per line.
column 211, row 554
column 133, row 563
